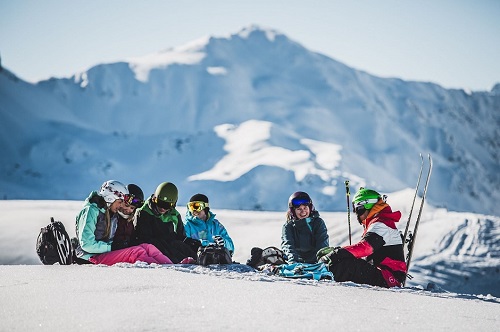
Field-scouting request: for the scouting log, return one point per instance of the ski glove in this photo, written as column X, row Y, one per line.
column 331, row 256
column 219, row 241
column 193, row 243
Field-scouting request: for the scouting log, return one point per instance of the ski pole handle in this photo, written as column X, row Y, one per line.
column 347, row 194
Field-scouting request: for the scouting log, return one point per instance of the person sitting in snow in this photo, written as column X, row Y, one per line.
column 159, row 223
column 377, row 259
column 304, row 232
column 200, row 224
column 96, row 226
column 124, row 235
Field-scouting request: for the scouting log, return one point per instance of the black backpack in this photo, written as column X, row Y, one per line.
column 213, row 254
column 269, row 255
column 53, row 244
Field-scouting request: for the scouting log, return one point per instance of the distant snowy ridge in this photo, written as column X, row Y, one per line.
column 183, row 114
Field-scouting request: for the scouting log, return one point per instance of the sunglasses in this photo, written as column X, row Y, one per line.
column 197, row 206
column 297, row 202
column 163, row 205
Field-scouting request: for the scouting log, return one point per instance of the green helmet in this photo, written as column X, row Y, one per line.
column 167, row 192
column 365, row 198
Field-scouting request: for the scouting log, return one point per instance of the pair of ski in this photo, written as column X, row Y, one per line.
column 409, row 236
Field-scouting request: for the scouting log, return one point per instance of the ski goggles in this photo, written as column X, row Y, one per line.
column 163, row 205
column 359, row 210
column 196, row 206
column 132, row 200
column 361, row 204
column 297, row 202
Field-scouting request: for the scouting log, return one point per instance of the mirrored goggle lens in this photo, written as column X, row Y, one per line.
column 359, row 210
column 197, row 206
column 296, row 202
column 137, row 202
column 164, row 205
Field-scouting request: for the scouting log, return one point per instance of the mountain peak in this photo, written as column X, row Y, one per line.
column 496, row 89
column 256, row 30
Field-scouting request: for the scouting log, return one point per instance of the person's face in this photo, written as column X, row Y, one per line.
column 127, row 209
column 162, row 210
column 163, row 207
column 200, row 214
column 361, row 215
column 302, row 211
column 117, row 204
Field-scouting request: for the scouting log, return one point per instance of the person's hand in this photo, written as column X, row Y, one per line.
column 219, row 241
column 328, row 255
column 193, row 243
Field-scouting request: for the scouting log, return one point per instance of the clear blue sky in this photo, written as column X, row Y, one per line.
column 454, row 43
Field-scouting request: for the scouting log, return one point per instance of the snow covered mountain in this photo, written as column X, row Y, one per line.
column 247, row 119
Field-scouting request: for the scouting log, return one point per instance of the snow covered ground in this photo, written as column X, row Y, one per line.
column 454, row 250
column 91, row 298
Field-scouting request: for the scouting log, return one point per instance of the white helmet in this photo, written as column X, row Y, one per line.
column 112, row 190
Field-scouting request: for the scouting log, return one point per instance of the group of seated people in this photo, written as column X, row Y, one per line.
column 117, row 224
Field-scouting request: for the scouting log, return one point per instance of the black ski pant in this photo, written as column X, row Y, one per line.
column 358, row 271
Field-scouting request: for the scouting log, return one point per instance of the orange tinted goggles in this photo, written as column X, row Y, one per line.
column 197, row 206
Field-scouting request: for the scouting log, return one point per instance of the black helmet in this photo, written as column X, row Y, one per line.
column 137, row 195
column 297, row 199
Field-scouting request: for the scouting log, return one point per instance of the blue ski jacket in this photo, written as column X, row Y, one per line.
column 91, row 226
column 206, row 230
column 302, row 238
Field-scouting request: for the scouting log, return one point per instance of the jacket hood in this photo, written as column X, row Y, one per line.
column 98, row 201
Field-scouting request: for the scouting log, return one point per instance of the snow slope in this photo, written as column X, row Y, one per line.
column 137, row 298
column 459, row 252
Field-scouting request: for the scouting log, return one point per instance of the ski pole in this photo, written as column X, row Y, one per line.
column 347, row 194
column 414, row 196
column 410, row 249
